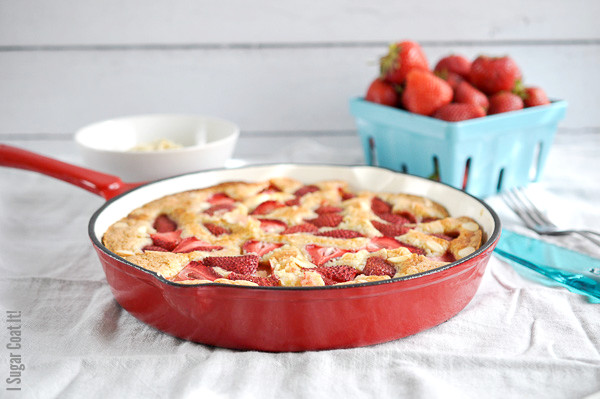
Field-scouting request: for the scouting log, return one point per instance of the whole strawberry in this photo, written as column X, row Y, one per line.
column 401, row 58
column 452, row 78
column 424, row 92
column 455, row 64
column 382, row 92
column 494, row 74
column 455, row 112
column 504, row 101
column 534, row 96
column 465, row 93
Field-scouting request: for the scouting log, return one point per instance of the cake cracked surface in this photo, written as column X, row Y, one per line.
column 282, row 232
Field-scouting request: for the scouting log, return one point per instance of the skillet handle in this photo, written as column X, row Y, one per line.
column 104, row 185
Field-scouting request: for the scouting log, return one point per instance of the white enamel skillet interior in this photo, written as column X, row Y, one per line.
column 458, row 203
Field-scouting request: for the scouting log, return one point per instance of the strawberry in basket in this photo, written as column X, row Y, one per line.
column 456, row 89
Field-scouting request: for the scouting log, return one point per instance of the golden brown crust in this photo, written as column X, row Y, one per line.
column 425, row 238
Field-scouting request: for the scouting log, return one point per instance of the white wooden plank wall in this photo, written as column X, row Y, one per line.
column 271, row 66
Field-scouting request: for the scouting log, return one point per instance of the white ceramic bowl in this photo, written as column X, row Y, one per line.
column 106, row 146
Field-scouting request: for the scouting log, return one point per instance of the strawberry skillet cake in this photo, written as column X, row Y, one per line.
column 281, row 232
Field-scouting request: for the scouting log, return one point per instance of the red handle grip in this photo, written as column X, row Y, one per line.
column 101, row 184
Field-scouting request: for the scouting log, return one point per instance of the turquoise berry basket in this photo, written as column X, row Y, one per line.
column 482, row 156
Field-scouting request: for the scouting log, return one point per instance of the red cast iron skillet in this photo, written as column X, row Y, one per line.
column 279, row 318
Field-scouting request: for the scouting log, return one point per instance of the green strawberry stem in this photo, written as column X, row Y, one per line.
column 519, row 89
column 388, row 61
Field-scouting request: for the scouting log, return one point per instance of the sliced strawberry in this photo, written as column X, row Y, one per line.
column 301, row 228
column 327, row 280
column 260, row 247
column 379, row 206
column 394, row 218
column 155, row 248
column 446, row 237
column 197, row 271
column 338, row 274
column 271, row 189
column 413, row 249
column 323, row 209
column 407, row 215
column 190, row 244
column 220, row 198
column 293, row 202
column 163, row 224
column 168, row 240
column 216, row 230
column 376, row 266
column 390, row 230
column 321, row 255
column 219, row 208
column 272, row 225
column 244, row 264
column 306, row 190
column 270, row 281
column 266, row 207
column 345, row 195
column 378, row 243
column 327, row 220
column 340, row 233
column 447, row 257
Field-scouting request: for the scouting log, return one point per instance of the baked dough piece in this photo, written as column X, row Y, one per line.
column 281, row 232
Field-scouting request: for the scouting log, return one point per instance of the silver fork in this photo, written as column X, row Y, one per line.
column 517, row 200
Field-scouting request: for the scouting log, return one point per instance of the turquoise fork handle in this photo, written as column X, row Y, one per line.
column 577, row 282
